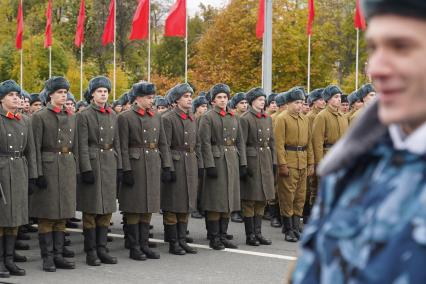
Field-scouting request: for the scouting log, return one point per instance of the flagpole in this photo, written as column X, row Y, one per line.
column 81, row 71
column 149, row 41
column 309, row 63
column 186, row 44
column 357, row 59
column 115, row 38
column 50, row 61
column 22, row 60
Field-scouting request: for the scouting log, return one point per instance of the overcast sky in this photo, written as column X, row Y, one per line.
column 193, row 4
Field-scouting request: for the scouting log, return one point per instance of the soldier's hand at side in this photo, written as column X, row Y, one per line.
column 88, row 177
column 211, row 172
column 32, row 186
column 243, row 172
column 311, row 170
column 173, row 176
column 41, row 182
column 128, row 178
column 283, row 171
column 200, row 173
column 119, row 175
column 166, row 175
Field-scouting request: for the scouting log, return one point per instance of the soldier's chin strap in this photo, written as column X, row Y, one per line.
column 3, row 198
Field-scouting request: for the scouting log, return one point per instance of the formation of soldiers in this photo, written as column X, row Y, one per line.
column 211, row 157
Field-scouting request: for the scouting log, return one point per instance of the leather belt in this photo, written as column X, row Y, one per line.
column 226, row 143
column 104, row 147
column 187, row 149
column 12, row 154
column 151, row 146
column 61, row 150
column 262, row 145
column 328, row 145
column 295, row 148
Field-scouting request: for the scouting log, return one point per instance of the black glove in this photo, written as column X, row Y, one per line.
column 166, row 175
column 32, row 185
column 250, row 172
column 128, row 178
column 119, row 176
column 88, row 177
column 173, row 177
column 274, row 170
column 243, row 172
column 211, row 172
column 41, row 182
column 200, row 173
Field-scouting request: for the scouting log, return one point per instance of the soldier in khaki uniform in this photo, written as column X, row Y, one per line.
column 179, row 197
column 281, row 104
column 365, row 94
column 145, row 156
column 344, row 106
column 224, row 160
column 100, row 161
column 271, row 105
column 55, row 138
column 295, row 162
column 258, row 186
column 329, row 126
column 18, row 173
column 354, row 104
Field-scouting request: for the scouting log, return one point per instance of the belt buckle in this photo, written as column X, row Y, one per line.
column 152, row 146
column 64, row 150
column 228, row 143
column 16, row 154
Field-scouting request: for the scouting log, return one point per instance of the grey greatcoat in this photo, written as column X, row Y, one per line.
column 56, row 144
column 99, row 151
column 144, row 151
column 260, row 148
column 181, row 133
column 17, row 165
column 222, row 146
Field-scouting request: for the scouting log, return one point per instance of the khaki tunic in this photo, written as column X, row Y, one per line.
column 99, row 151
column 15, row 135
column 260, row 150
column 181, row 133
column 355, row 115
column 329, row 127
column 54, row 134
column 222, row 146
column 144, row 150
column 311, row 116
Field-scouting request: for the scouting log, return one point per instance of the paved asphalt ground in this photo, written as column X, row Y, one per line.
column 264, row 264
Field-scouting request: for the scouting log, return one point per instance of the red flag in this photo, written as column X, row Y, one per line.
column 48, row 32
column 79, row 34
column 359, row 20
column 20, row 27
column 260, row 27
column 176, row 20
column 140, row 23
column 109, row 30
column 311, row 9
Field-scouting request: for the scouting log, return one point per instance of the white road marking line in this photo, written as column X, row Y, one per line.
column 247, row 252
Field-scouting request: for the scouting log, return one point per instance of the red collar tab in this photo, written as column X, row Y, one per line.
column 141, row 112
column 10, row 115
column 68, row 112
column 260, row 115
column 56, row 109
column 191, row 117
column 102, row 109
column 108, row 110
column 231, row 113
column 18, row 116
column 184, row 116
column 222, row 112
column 150, row 112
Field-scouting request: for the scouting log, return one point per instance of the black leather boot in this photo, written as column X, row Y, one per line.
column 213, row 231
column 171, row 235
column 68, row 253
column 30, row 229
column 223, row 225
column 101, row 246
column 22, row 235
column 182, row 230
column 258, row 231
column 267, row 215
column 249, row 228
column 4, row 273
column 90, row 247
column 9, row 249
column 288, row 230
column 275, row 216
column 297, row 228
column 46, row 248
column 58, row 249
column 19, row 258
column 133, row 240
column 144, row 242
column 20, row 245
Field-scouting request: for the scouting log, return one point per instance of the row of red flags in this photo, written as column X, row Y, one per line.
column 175, row 24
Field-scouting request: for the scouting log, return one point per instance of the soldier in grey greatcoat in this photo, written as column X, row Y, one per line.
column 55, row 139
column 224, row 160
column 18, row 173
column 100, row 161
column 146, row 159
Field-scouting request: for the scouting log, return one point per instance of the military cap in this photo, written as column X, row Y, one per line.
column 364, row 91
column 280, row 99
column 344, row 99
column 202, row 94
column 219, row 88
column 160, row 101
column 330, row 91
column 254, row 94
column 70, row 97
column 238, row 97
column 44, row 98
column 315, row 95
column 8, row 86
column 353, row 98
column 96, row 83
column 271, row 98
column 80, row 104
column 56, row 83
column 408, row 8
column 34, row 97
column 295, row 94
column 141, row 89
column 197, row 102
column 179, row 90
